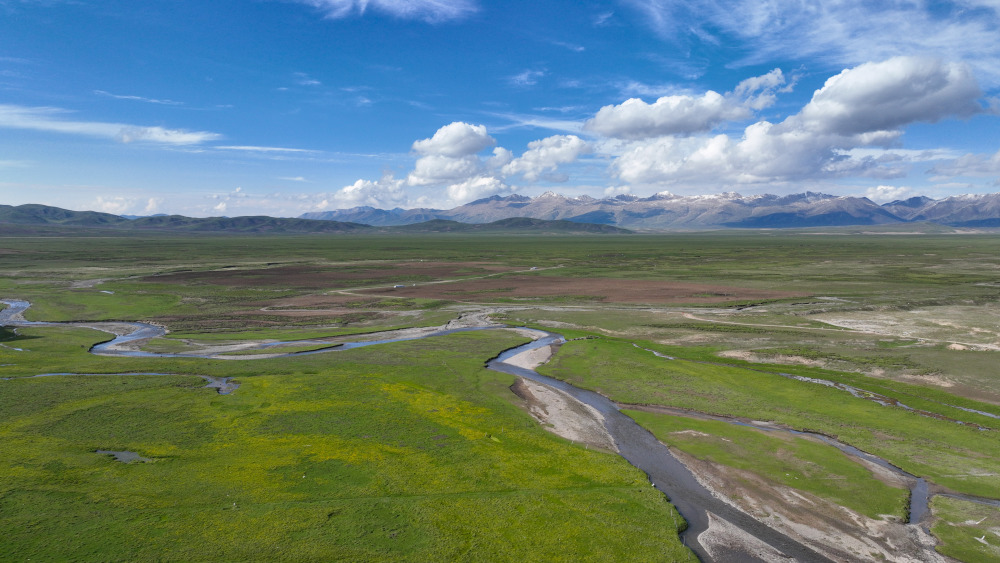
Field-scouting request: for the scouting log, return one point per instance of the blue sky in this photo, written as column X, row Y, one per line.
column 279, row 107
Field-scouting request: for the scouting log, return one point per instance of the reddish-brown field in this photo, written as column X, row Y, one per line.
column 415, row 276
column 598, row 289
column 316, row 305
column 320, row 277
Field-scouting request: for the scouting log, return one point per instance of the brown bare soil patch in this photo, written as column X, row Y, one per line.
column 563, row 415
column 246, row 320
column 317, row 301
column 596, row 289
column 320, row 277
column 835, row 531
column 749, row 356
column 299, row 313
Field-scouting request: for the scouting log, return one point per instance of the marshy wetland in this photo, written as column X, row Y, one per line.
column 788, row 393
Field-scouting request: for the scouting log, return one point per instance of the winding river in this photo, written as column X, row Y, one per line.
column 636, row 444
column 640, row 448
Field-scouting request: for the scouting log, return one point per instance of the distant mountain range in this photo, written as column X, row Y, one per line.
column 43, row 218
column 726, row 210
column 551, row 212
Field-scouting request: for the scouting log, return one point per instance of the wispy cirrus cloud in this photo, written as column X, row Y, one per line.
column 634, row 88
column 138, row 98
column 527, row 78
column 253, row 148
column 527, row 121
column 430, row 11
column 969, row 165
column 571, row 46
column 55, row 120
column 303, row 79
column 602, row 19
column 847, row 32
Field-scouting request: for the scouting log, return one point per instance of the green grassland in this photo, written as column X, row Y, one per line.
column 956, row 456
column 794, row 339
column 412, row 451
column 960, row 523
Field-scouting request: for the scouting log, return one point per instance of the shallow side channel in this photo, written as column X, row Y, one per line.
column 640, row 448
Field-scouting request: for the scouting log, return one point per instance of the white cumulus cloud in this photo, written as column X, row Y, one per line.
column 476, row 188
column 500, row 158
column 386, row 193
column 455, row 140
column 152, row 205
column 885, row 194
column 451, row 155
column 453, row 168
column 114, row 204
column 545, row 155
column 437, row 169
column 861, row 107
column 890, row 94
column 617, row 190
column 687, row 114
column 760, row 92
column 669, row 115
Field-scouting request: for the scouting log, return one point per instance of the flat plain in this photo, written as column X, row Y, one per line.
column 722, row 344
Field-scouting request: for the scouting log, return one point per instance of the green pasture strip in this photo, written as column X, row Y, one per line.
column 404, row 304
column 408, row 451
column 186, row 304
column 217, row 336
column 972, row 373
column 959, row 457
column 280, row 350
column 63, row 349
column 933, row 260
column 921, row 397
column 968, row 531
column 917, row 396
column 168, row 346
column 796, row 462
column 92, row 305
